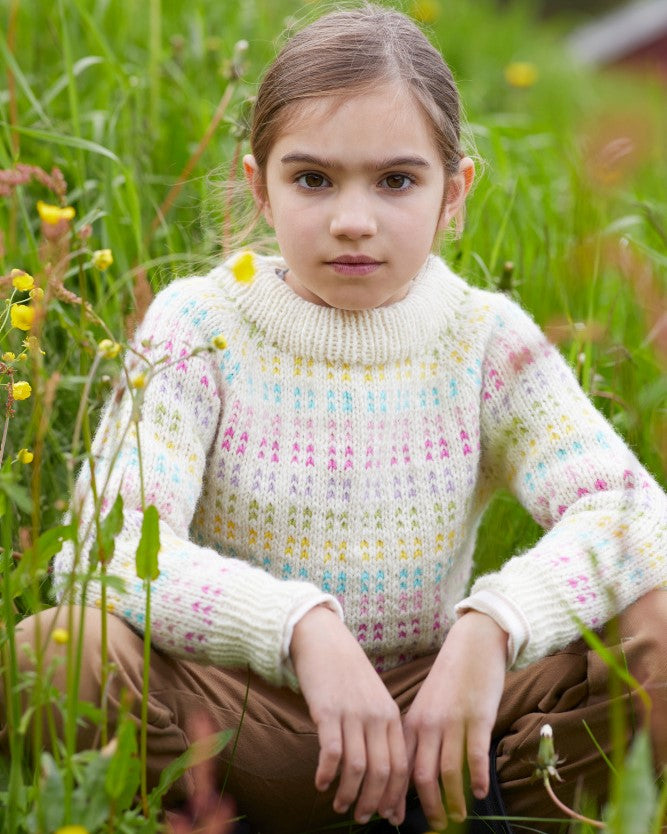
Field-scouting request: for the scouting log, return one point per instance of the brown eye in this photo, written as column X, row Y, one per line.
column 397, row 182
column 311, row 180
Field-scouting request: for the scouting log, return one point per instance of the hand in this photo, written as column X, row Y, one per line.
column 358, row 723
column 453, row 715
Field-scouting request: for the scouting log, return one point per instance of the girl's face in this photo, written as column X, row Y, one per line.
column 356, row 193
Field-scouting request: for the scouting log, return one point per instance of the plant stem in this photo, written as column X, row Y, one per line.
column 566, row 810
column 10, row 669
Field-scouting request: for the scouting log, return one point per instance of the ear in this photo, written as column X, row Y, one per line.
column 257, row 186
column 458, row 186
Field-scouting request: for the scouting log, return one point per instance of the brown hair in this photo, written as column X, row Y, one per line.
column 352, row 51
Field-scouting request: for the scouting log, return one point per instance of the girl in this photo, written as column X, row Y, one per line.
column 320, row 479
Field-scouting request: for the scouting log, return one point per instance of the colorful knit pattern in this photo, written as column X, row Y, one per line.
column 347, row 457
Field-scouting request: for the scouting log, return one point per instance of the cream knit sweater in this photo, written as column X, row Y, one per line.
column 346, row 458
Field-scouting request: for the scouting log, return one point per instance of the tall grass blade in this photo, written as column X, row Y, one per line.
column 53, row 137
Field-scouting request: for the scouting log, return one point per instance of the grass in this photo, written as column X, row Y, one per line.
column 127, row 100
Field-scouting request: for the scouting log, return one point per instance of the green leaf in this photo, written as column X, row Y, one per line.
column 90, row 803
column 124, row 774
column 52, row 793
column 16, row 493
column 198, row 752
column 149, row 545
column 635, row 794
column 111, row 525
column 37, row 557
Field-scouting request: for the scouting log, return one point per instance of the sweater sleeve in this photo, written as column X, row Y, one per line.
column 205, row 606
column 605, row 518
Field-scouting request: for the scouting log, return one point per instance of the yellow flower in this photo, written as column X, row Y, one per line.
column 219, row 342
column 425, row 11
column 21, row 280
column 61, row 635
column 21, row 390
column 8, row 356
column 108, row 349
column 521, row 74
column 37, row 294
column 243, row 267
column 71, row 829
column 25, row 456
column 54, row 214
column 139, row 381
column 102, row 259
column 22, row 316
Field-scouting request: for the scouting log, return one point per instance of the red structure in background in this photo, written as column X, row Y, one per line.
column 632, row 35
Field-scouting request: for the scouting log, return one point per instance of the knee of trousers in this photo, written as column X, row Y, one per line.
column 643, row 628
column 56, row 636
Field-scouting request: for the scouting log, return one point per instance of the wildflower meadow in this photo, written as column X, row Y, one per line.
column 122, row 127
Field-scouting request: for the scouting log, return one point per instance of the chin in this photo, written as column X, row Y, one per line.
column 353, row 306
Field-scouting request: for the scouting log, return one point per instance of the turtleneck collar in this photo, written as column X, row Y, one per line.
column 383, row 334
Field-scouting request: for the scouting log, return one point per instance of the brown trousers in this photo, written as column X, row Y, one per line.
column 272, row 772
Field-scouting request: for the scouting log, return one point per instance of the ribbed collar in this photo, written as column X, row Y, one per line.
column 380, row 335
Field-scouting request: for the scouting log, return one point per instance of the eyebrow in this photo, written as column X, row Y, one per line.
column 332, row 164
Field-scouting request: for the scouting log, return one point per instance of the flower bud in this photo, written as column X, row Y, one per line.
column 102, row 259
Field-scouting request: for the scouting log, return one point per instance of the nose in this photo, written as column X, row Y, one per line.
column 353, row 216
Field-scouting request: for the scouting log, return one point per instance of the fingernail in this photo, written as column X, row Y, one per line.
column 364, row 819
column 456, row 817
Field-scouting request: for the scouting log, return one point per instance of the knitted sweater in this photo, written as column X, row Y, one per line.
column 328, row 456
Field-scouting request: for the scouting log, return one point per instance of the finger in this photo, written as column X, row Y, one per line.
column 478, row 743
column 392, row 803
column 353, row 766
column 331, row 750
column 425, row 775
column 451, row 772
column 378, row 770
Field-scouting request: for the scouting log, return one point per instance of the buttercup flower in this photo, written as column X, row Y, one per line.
column 521, row 74
column 108, row 349
column 61, row 635
column 8, row 356
column 219, row 342
column 21, row 390
column 21, row 280
column 102, row 259
column 37, row 294
column 243, row 267
column 25, row 456
column 139, row 381
column 22, row 316
column 54, row 214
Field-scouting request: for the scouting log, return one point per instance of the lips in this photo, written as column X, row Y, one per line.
column 358, row 265
column 354, row 259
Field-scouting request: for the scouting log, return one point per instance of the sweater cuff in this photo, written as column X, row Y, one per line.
column 505, row 613
column 293, row 618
